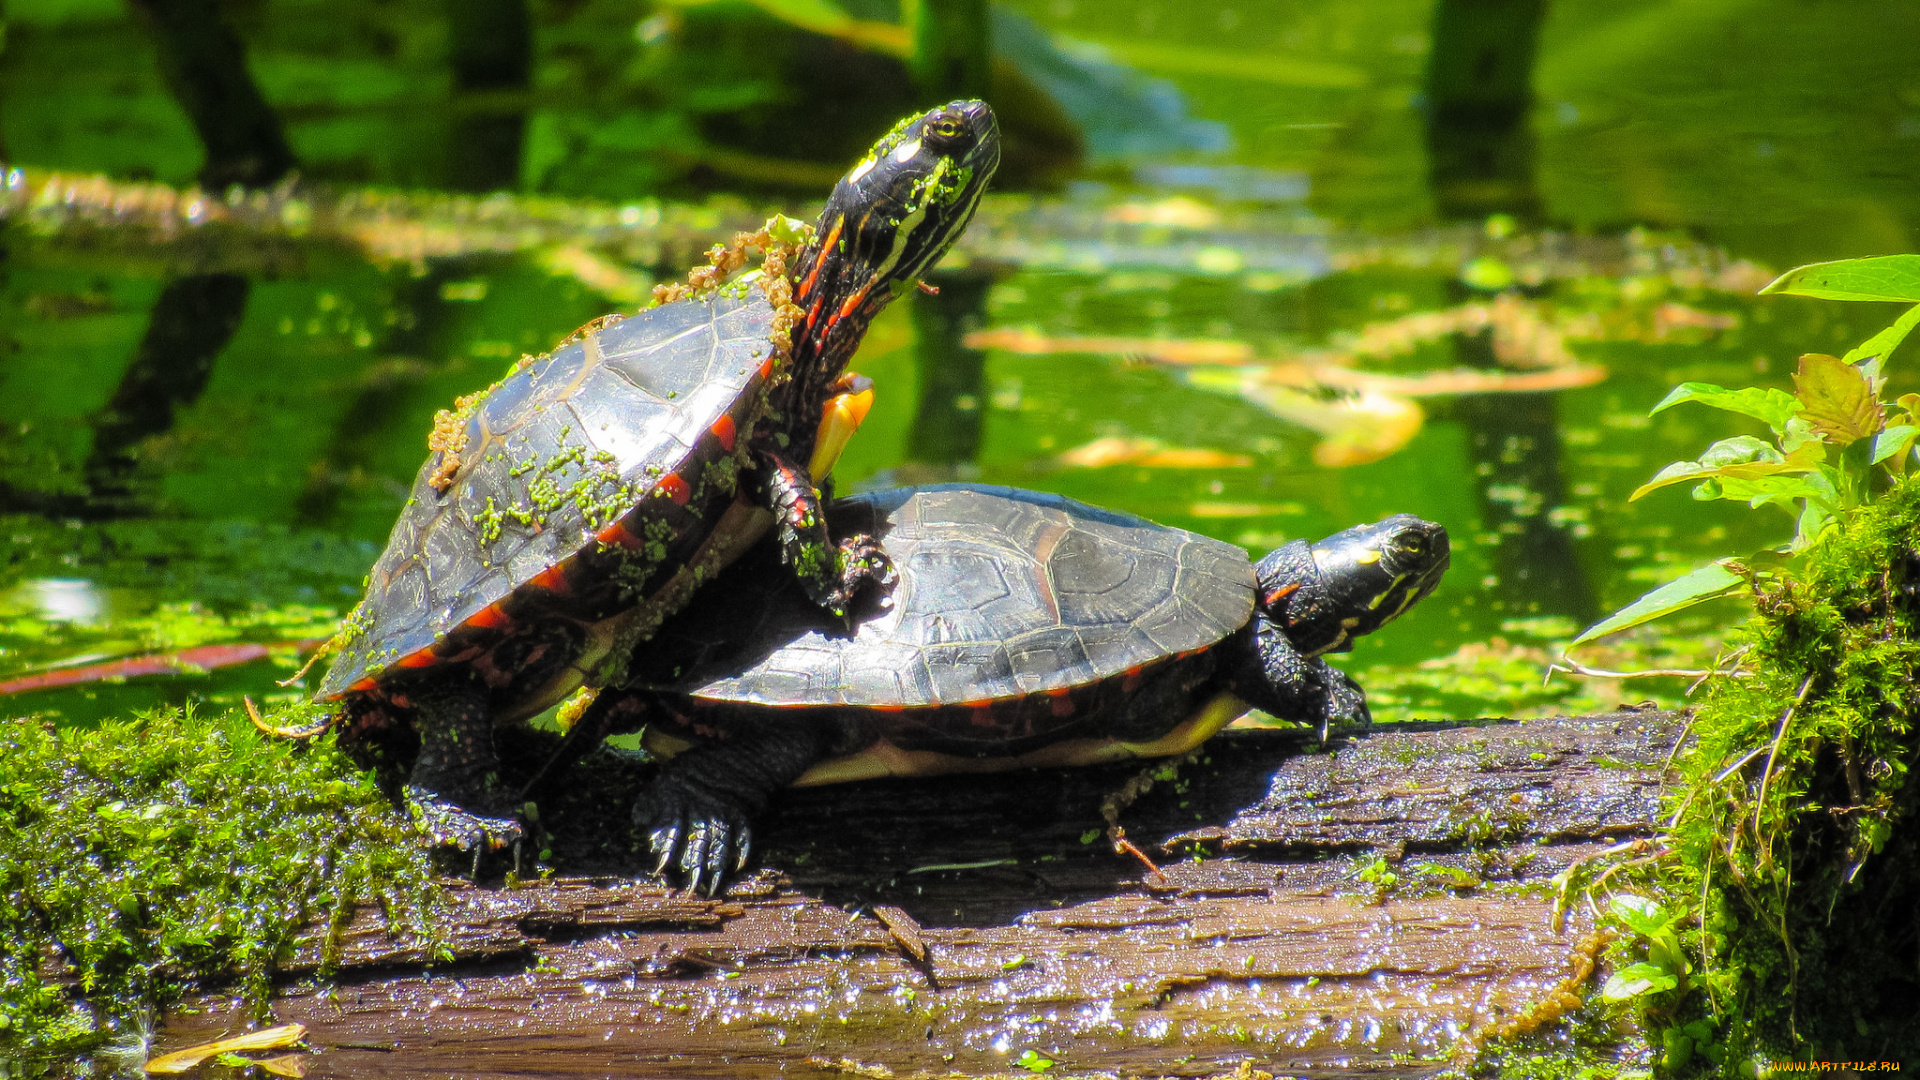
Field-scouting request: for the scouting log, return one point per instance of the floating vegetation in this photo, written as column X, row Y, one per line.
column 598, row 242
column 1363, row 415
column 146, row 855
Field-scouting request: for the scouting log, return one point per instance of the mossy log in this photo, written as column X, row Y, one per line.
column 1261, row 943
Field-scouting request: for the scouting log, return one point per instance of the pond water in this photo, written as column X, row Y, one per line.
column 1159, row 334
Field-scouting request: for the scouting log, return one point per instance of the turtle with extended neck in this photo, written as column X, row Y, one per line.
column 570, row 507
column 1025, row 630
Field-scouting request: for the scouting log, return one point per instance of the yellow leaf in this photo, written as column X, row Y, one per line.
column 269, row 1039
column 1910, row 403
column 294, row 1065
column 1836, row 398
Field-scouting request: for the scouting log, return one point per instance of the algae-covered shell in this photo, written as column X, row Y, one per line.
column 579, row 478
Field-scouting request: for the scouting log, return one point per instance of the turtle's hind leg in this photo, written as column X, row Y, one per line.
column 453, row 788
column 699, row 813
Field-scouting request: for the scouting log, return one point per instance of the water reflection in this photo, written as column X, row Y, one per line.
column 191, row 323
column 63, row 600
column 951, row 373
column 415, row 346
column 1514, row 455
column 1479, row 90
column 491, row 49
column 1481, row 162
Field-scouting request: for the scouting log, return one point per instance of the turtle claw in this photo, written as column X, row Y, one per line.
column 861, row 561
column 1346, row 703
column 699, row 839
column 450, row 826
column 664, row 842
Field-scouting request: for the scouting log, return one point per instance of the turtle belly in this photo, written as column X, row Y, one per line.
column 885, row 759
column 1155, row 710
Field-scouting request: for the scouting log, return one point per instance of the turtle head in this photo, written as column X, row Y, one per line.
column 1353, row 582
column 887, row 222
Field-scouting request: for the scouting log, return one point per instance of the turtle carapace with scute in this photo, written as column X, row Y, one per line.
column 1025, row 630
column 571, row 506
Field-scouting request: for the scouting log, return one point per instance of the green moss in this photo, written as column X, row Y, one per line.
column 144, row 855
column 1791, row 823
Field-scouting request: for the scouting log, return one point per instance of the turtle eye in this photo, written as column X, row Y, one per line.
column 1413, row 545
column 945, row 128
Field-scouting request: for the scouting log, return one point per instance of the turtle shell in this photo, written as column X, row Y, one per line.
column 1002, row 594
column 587, row 478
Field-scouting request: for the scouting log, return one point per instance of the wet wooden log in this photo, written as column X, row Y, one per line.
column 1262, row 944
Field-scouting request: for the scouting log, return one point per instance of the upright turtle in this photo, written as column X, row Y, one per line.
column 574, row 504
column 1025, row 630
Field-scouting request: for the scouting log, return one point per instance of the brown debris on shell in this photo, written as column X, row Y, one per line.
column 449, row 438
column 449, row 435
column 724, row 259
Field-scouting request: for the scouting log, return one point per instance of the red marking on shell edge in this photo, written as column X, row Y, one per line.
column 617, row 533
column 724, row 430
column 1131, row 680
column 1062, row 701
column 489, row 617
column 363, row 685
column 423, row 658
column 766, row 372
column 552, row 579
column 674, row 488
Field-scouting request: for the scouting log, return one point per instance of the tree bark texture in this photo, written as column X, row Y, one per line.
column 1260, row 947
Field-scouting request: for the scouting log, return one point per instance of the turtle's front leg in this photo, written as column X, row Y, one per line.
column 452, row 789
column 831, row 573
column 700, row 810
column 1293, row 686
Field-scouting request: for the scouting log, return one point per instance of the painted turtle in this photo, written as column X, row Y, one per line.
column 575, row 503
column 1025, row 630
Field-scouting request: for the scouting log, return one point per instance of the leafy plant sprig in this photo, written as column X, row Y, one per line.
column 1832, row 438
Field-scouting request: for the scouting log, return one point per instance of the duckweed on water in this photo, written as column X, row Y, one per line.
column 140, row 856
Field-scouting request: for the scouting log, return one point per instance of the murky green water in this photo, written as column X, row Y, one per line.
column 1781, row 132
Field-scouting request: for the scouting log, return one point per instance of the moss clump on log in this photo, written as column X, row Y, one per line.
column 144, row 855
column 1791, row 822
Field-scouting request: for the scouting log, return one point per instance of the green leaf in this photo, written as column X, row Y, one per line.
column 1741, row 457
column 1034, row 1063
column 1885, row 277
column 1637, row 980
column 1894, row 441
column 1697, row 587
column 1776, row 407
column 1883, row 343
column 1487, row 273
column 1764, row 490
column 1643, row 916
column 1815, row 519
